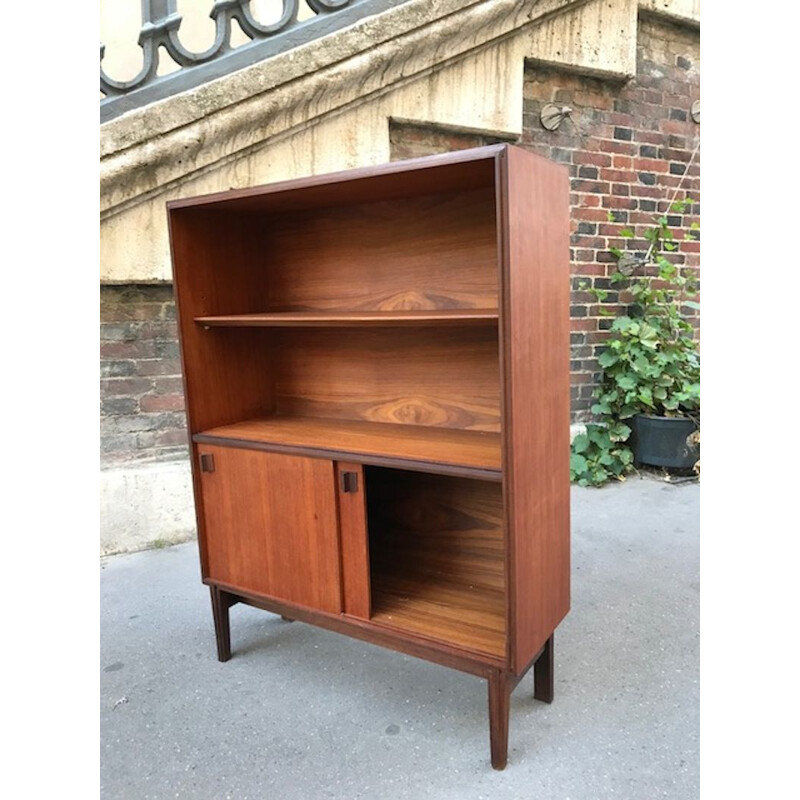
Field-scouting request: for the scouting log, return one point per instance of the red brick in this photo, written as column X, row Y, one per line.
column 162, row 402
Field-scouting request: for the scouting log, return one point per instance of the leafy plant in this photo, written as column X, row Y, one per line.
column 600, row 454
column 651, row 364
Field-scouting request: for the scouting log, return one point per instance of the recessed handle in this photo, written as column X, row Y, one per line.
column 349, row 481
column 206, row 462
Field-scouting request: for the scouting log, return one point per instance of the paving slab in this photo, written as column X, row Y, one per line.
column 304, row 713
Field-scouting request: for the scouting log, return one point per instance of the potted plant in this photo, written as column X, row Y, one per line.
column 649, row 399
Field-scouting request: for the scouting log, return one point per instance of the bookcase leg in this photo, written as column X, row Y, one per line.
column 286, row 619
column 220, row 606
column 499, row 705
column 543, row 674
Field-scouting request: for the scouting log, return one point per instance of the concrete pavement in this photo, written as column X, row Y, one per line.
column 303, row 713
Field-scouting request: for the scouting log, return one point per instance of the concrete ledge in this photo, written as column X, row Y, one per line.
column 144, row 506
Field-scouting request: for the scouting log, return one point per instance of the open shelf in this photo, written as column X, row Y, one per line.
column 288, row 319
column 448, row 450
column 456, row 613
column 437, row 557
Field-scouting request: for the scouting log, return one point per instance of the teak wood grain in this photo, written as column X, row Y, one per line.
column 535, row 335
column 348, row 319
column 408, row 325
column 449, row 449
column 437, row 557
column 271, row 527
column 442, row 378
column 354, row 539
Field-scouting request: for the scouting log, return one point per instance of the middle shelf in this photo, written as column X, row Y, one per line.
column 399, row 318
column 447, row 451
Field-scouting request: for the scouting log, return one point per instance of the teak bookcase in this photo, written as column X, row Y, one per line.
column 376, row 367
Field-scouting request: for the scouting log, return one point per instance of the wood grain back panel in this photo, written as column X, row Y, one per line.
column 535, row 345
column 271, row 525
column 437, row 556
column 425, row 377
column 418, row 253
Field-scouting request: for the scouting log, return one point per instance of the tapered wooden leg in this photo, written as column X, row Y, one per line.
column 543, row 674
column 287, row 619
column 499, row 706
column 220, row 605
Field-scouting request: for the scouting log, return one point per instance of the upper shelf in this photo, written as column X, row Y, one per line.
column 286, row 319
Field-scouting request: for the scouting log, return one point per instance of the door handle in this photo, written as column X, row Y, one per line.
column 349, row 481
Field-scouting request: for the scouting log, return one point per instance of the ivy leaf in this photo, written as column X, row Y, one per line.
column 692, row 304
column 607, row 358
column 621, row 323
column 619, row 432
column 647, row 331
column 580, row 444
column 578, row 464
column 626, row 381
column 646, row 396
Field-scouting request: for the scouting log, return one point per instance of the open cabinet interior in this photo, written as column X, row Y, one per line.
column 348, row 322
column 437, row 557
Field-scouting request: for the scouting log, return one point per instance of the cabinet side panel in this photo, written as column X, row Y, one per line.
column 536, row 397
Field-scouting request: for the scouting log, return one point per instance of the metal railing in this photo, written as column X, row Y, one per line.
column 161, row 27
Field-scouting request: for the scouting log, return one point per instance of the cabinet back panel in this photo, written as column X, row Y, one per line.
column 431, row 252
column 448, row 528
column 437, row 377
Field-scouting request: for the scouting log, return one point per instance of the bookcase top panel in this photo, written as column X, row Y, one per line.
column 462, row 170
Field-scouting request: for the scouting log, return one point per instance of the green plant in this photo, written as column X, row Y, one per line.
column 600, row 454
column 651, row 363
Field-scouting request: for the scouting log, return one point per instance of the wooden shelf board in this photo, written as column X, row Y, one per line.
column 447, row 450
column 300, row 319
column 467, row 616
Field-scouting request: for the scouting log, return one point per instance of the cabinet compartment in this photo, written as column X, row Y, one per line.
column 437, row 565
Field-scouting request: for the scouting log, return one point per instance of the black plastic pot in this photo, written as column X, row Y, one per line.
column 663, row 441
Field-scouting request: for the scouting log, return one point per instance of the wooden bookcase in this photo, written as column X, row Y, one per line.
column 376, row 368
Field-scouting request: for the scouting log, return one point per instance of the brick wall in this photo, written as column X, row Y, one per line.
column 141, row 394
column 627, row 148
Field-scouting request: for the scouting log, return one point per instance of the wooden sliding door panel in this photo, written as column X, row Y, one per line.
column 353, row 532
column 271, row 525
column 535, row 334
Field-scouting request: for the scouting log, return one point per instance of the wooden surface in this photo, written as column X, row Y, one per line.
column 447, row 172
column 436, row 556
column 475, row 450
column 352, row 318
column 271, row 527
column 330, row 319
column 499, row 711
column 443, row 378
column 535, row 337
column 438, row 652
column 392, row 255
column 354, row 544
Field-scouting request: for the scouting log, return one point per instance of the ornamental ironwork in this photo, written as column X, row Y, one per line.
column 161, row 26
